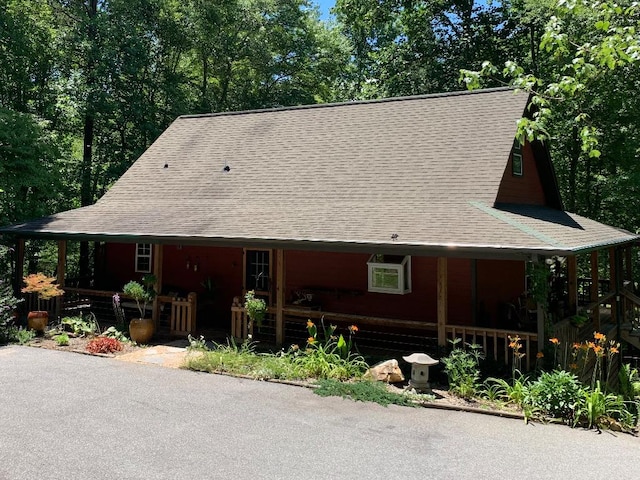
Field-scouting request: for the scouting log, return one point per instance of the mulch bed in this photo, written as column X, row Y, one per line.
column 78, row 345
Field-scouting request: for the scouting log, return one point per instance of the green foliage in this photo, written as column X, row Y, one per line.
column 113, row 332
column 556, row 394
column 80, row 326
column 256, row 308
column 243, row 360
column 514, row 392
column 8, row 305
column 197, row 344
column 28, row 177
column 141, row 292
column 362, row 391
column 604, row 410
column 295, row 364
column 404, row 48
column 62, row 339
column 462, row 369
column 21, row 335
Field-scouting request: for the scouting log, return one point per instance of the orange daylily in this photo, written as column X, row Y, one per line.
column 599, row 336
column 311, row 340
column 353, row 328
column 614, row 350
column 539, row 355
column 310, row 324
column 554, row 340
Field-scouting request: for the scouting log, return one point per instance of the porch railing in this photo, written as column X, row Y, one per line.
column 495, row 342
column 179, row 313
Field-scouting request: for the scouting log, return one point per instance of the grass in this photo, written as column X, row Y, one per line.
column 296, row 364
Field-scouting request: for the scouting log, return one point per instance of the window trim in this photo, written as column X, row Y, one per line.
column 143, row 255
column 517, row 153
column 404, row 275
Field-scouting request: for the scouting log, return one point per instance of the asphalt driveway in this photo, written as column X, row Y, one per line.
column 71, row 416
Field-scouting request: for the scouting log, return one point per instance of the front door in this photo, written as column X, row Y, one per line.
column 257, row 273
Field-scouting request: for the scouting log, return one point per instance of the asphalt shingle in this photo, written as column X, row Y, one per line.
column 342, row 176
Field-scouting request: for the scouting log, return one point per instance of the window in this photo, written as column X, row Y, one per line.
column 389, row 274
column 143, row 257
column 257, row 270
column 516, row 160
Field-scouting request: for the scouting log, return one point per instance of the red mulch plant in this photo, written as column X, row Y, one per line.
column 104, row 345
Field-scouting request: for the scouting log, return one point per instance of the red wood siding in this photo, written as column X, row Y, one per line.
column 339, row 284
column 499, row 282
column 222, row 265
column 337, row 280
column 526, row 188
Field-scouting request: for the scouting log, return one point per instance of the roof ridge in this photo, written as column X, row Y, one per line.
column 354, row 102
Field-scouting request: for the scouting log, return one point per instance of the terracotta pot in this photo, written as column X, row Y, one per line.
column 37, row 320
column 141, row 330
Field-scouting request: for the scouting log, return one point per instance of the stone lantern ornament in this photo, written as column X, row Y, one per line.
column 420, row 363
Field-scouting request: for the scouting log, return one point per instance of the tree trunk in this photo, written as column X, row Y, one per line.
column 86, row 190
column 573, row 170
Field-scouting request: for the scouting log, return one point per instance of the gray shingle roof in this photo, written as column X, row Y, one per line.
column 337, row 176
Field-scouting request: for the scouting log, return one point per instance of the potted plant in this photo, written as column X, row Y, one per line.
column 256, row 309
column 46, row 289
column 141, row 329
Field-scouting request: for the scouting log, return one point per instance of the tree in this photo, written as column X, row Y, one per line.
column 29, row 184
column 404, row 47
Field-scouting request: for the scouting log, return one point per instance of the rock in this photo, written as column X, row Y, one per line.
column 387, row 371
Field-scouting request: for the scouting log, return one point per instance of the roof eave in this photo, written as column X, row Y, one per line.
column 508, row 252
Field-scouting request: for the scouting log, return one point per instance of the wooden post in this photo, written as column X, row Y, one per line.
column 157, row 272
column 619, row 298
column 595, row 289
column 540, row 314
column 612, row 281
column 572, row 273
column 280, row 296
column 61, row 271
column 628, row 277
column 442, row 301
column 62, row 262
column 19, row 267
column 474, row 292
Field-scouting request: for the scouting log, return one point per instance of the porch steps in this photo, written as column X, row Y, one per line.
column 630, row 335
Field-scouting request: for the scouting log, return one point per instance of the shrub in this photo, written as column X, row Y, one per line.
column 22, row 335
column 8, row 305
column 556, row 394
column 104, row 345
column 462, row 369
column 62, row 339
